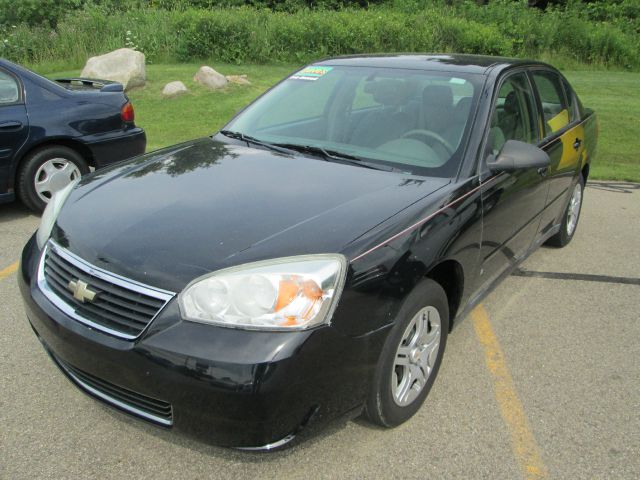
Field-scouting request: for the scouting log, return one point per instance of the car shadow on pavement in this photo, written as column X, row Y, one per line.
column 616, row 187
column 14, row 211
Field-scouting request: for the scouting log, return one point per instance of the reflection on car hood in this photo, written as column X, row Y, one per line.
column 173, row 215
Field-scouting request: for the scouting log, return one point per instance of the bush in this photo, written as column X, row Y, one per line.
column 249, row 34
column 35, row 12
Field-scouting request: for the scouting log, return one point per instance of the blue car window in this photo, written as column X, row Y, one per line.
column 9, row 92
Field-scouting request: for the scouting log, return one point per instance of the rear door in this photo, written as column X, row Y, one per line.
column 512, row 202
column 563, row 140
column 14, row 124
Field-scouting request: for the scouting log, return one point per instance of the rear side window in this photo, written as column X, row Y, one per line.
column 9, row 92
column 574, row 112
column 554, row 106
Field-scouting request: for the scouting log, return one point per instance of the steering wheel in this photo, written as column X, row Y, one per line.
column 428, row 134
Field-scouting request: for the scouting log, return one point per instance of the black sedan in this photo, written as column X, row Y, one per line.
column 309, row 260
column 52, row 132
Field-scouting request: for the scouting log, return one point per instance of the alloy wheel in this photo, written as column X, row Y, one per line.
column 574, row 209
column 416, row 356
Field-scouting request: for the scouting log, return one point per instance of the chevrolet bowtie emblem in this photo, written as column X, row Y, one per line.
column 81, row 291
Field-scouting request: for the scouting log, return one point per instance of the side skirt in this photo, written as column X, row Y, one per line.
column 462, row 314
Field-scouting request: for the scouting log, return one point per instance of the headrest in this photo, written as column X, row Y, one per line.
column 437, row 96
column 387, row 91
column 462, row 107
column 511, row 102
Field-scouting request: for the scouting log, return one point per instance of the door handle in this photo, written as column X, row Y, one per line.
column 577, row 143
column 543, row 171
column 10, row 125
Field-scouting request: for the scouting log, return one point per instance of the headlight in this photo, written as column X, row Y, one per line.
column 293, row 293
column 51, row 213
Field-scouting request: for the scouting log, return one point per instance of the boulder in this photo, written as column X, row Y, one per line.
column 239, row 79
column 123, row 65
column 173, row 89
column 208, row 77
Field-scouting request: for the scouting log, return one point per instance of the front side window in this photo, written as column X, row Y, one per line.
column 9, row 91
column 554, row 107
column 412, row 120
column 514, row 115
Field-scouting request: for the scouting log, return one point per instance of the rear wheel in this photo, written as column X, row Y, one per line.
column 570, row 218
column 46, row 171
column 411, row 356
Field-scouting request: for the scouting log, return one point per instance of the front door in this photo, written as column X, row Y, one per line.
column 512, row 202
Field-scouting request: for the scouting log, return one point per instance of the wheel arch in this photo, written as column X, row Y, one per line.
column 74, row 145
column 449, row 274
column 585, row 172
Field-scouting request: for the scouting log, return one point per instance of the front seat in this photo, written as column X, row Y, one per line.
column 387, row 123
column 437, row 108
column 458, row 122
column 510, row 121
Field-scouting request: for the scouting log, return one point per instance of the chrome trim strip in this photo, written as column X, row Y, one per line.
column 114, row 401
column 269, row 446
column 111, row 277
column 103, row 275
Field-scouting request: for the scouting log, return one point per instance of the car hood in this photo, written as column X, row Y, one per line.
column 168, row 217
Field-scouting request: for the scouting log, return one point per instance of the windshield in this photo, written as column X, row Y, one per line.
column 412, row 120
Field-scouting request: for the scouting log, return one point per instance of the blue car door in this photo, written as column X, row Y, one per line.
column 14, row 124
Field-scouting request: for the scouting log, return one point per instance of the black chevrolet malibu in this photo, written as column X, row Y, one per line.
column 308, row 261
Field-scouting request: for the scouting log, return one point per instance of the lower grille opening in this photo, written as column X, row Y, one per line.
column 148, row 408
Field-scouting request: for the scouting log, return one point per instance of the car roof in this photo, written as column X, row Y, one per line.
column 451, row 62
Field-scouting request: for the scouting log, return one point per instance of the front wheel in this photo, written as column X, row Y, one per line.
column 570, row 218
column 411, row 356
column 46, row 171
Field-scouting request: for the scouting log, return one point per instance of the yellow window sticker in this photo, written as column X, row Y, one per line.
column 311, row 73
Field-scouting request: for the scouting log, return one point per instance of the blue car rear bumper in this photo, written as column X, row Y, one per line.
column 113, row 147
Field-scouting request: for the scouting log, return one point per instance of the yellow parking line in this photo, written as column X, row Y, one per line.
column 10, row 270
column 523, row 442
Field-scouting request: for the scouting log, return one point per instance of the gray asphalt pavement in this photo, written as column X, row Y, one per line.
column 567, row 325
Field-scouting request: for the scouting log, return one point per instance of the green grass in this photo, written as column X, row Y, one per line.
column 614, row 95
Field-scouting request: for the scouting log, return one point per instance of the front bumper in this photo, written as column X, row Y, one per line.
column 113, row 147
column 225, row 386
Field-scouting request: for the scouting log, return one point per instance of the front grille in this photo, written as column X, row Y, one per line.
column 120, row 306
column 149, row 408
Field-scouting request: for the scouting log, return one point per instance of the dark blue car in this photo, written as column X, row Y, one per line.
column 51, row 132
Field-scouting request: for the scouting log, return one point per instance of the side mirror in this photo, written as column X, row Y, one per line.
column 517, row 155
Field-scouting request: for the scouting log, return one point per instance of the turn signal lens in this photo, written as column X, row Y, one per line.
column 281, row 294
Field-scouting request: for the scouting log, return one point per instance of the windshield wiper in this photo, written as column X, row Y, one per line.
column 335, row 155
column 254, row 140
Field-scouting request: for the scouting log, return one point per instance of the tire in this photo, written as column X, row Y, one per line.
column 570, row 218
column 45, row 171
column 386, row 404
